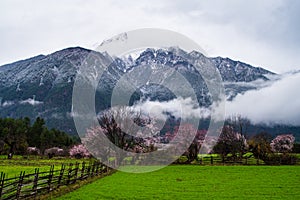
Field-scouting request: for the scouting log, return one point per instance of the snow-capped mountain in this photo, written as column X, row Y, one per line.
column 42, row 85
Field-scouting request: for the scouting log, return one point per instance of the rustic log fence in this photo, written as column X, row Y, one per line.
column 211, row 160
column 27, row 186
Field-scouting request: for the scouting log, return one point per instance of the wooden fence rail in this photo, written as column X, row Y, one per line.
column 27, row 186
column 211, row 160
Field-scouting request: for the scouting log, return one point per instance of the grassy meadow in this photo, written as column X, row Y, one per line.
column 13, row 167
column 197, row 182
column 176, row 181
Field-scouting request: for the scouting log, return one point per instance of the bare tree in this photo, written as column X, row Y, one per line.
column 240, row 124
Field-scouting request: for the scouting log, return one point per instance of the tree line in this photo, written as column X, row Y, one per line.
column 232, row 144
column 143, row 136
column 16, row 135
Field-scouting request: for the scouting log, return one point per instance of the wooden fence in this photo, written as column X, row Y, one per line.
column 212, row 160
column 215, row 159
column 27, row 186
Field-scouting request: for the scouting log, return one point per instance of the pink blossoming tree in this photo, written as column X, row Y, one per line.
column 121, row 131
column 283, row 143
column 79, row 151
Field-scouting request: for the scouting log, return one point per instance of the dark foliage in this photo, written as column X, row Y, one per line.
column 17, row 134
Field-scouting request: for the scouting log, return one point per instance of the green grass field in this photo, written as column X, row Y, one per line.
column 197, row 182
column 14, row 166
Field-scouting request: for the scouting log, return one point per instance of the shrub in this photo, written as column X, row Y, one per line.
column 79, row 151
column 54, row 151
column 33, row 151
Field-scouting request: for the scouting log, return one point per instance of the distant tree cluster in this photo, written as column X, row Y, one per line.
column 262, row 146
column 276, row 151
column 20, row 136
column 16, row 135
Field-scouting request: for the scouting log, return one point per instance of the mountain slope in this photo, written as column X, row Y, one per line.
column 42, row 85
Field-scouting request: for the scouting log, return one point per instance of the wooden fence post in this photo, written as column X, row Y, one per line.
column 211, row 160
column 97, row 169
column 76, row 172
column 20, row 183
column 61, row 174
column 93, row 169
column 82, row 170
column 2, row 178
column 89, row 169
column 69, row 173
column 50, row 177
column 35, row 181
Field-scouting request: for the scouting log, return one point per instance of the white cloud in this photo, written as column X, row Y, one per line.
column 179, row 107
column 278, row 103
column 31, row 102
column 8, row 103
column 259, row 83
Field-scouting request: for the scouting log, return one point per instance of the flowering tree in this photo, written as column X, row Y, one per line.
column 230, row 142
column 283, row 143
column 79, row 151
column 117, row 135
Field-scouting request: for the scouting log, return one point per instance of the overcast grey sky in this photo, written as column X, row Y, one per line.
column 262, row 33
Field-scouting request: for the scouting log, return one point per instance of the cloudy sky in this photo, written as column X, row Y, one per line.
column 262, row 33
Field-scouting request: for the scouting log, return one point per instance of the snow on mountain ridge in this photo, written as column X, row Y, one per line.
column 50, row 79
column 62, row 66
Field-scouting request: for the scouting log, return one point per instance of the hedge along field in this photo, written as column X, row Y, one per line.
column 197, row 182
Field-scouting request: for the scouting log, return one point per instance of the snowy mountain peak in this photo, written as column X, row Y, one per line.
column 119, row 38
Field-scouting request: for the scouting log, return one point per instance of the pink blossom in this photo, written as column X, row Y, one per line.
column 283, row 143
column 79, row 151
